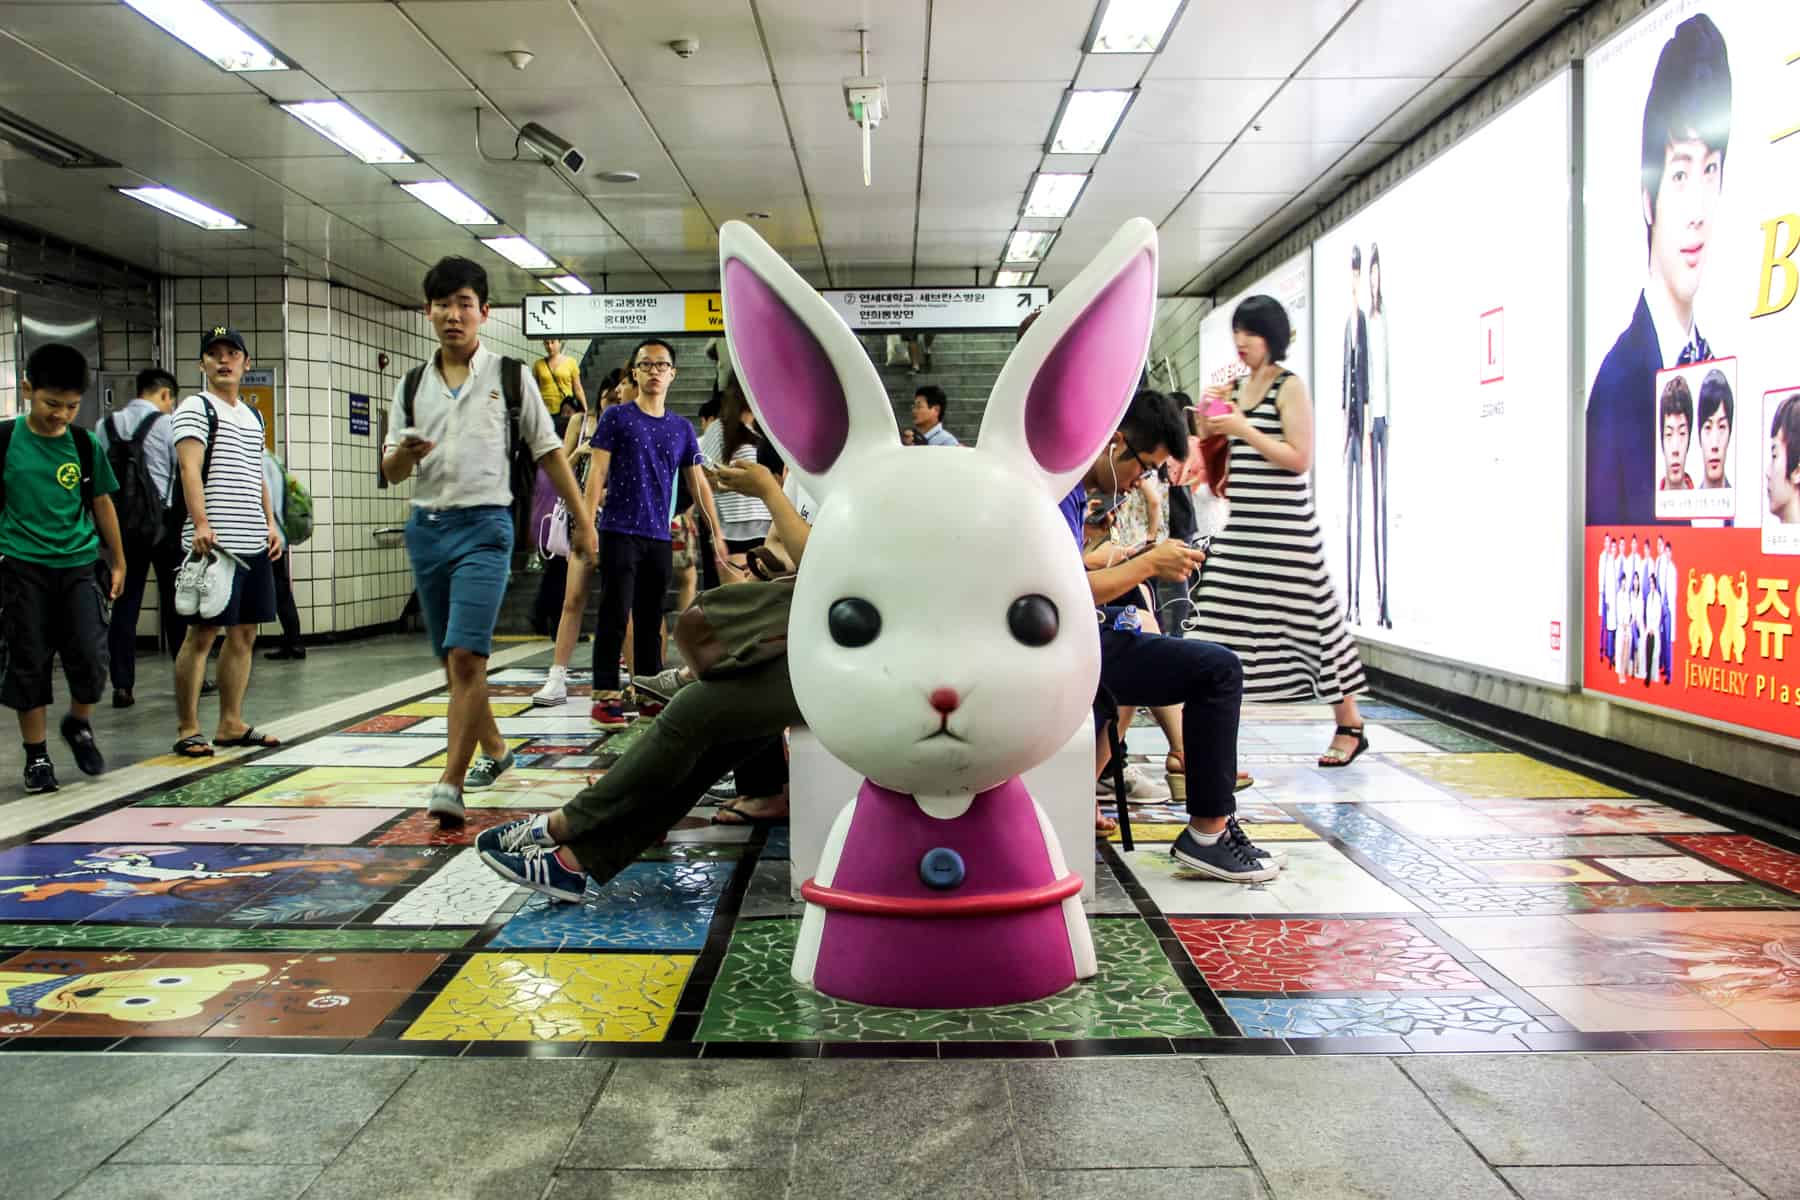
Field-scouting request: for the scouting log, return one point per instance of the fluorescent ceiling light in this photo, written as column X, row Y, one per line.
column 569, row 285
column 212, row 34
column 1004, row 278
column 338, row 122
column 1087, row 121
column 450, row 201
column 520, row 253
column 1133, row 26
column 1026, row 245
column 1054, row 195
column 186, row 207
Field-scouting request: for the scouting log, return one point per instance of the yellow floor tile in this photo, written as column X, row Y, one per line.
column 441, row 708
column 557, row 998
column 1497, row 776
column 405, row 787
column 1289, row 832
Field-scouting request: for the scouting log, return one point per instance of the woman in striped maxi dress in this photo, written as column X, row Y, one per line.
column 1264, row 591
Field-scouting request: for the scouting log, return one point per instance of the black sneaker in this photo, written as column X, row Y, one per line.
column 80, row 736
column 286, row 654
column 40, row 777
column 209, row 687
column 122, row 698
column 1234, row 831
column 1224, row 859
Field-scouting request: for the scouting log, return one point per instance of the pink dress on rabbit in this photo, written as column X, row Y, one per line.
column 988, row 928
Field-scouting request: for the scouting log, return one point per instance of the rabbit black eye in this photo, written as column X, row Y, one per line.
column 854, row 622
column 1032, row 620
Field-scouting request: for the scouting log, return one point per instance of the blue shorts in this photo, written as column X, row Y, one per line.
column 461, row 558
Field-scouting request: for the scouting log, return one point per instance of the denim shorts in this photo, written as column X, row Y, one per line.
column 461, row 559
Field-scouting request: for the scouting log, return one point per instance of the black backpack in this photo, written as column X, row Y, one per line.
column 84, row 453
column 512, row 387
column 142, row 521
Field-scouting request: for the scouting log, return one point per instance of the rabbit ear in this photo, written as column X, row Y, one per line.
column 809, row 381
column 1063, row 391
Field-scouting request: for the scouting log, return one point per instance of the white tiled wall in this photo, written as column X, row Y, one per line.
column 1175, row 342
column 326, row 341
column 9, row 355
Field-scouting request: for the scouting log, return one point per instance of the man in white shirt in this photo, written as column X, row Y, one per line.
column 929, row 405
column 219, row 448
column 460, row 535
column 154, row 402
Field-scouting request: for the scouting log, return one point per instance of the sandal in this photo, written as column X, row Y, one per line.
column 1244, row 780
column 251, row 738
column 739, row 818
column 1104, row 826
column 193, row 745
column 1177, row 776
column 1337, row 758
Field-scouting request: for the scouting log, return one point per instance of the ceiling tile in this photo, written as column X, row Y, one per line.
column 817, row 43
column 1413, row 116
column 326, row 180
column 1282, row 166
column 25, row 72
column 1225, row 212
column 1107, row 71
column 1193, row 110
column 109, row 126
column 991, row 114
column 818, row 115
column 477, row 33
column 1538, row 18
column 1009, row 40
column 836, row 171
column 350, row 47
column 113, row 44
column 1228, row 39
column 636, row 38
column 1393, row 38
column 991, row 172
column 962, row 249
column 958, row 211
column 1157, row 165
column 1333, row 110
column 759, row 175
column 706, row 117
column 242, row 129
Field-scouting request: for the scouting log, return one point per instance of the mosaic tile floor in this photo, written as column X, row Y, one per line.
column 1444, row 892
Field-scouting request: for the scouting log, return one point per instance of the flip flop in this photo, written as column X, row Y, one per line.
column 193, row 746
column 251, row 738
column 745, row 819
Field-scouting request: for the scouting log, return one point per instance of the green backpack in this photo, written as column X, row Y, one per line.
column 297, row 508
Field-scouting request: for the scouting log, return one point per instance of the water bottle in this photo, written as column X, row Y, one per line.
column 1128, row 621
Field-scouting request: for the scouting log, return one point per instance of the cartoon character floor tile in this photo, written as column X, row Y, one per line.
column 647, row 906
column 1676, row 868
column 1541, row 870
column 1136, row 994
column 1478, row 849
column 436, row 761
column 406, row 787
column 1503, row 775
column 89, row 936
column 1592, row 817
column 1310, row 955
column 217, row 787
column 464, row 891
column 354, row 753
column 264, row 826
column 1747, row 856
column 113, row 993
column 1380, row 1014
column 1317, row 879
column 331, row 995
column 538, row 997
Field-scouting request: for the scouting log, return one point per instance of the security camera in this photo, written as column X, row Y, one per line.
column 552, row 148
column 685, row 47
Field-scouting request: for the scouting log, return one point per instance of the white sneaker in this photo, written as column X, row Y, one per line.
column 445, row 803
column 1139, row 787
column 555, row 690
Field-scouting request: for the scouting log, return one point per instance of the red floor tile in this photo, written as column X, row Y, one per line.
column 1746, row 855
column 1382, row 954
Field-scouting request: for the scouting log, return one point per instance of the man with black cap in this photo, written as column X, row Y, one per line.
column 219, row 449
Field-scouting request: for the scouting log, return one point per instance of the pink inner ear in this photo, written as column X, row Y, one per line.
column 798, row 394
column 1081, row 390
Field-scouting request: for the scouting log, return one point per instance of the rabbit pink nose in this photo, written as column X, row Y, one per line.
column 945, row 700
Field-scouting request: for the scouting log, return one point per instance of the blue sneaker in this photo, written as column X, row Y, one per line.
column 535, row 867
column 1224, row 859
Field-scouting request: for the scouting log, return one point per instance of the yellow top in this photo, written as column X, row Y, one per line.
column 556, row 383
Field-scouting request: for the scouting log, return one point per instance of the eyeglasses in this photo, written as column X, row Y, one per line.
column 655, row 366
column 1147, row 467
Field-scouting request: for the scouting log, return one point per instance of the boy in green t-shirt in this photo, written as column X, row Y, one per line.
column 55, row 507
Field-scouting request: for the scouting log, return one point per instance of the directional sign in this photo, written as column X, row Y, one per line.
column 864, row 310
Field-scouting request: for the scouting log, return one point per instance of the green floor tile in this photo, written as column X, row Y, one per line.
column 218, row 788
column 1136, row 994
column 691, row 852
column 1444, row 737
column 160, row 937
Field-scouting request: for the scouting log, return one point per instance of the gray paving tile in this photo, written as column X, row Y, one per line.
column 271, row 1110
column 693, row 1115
column 1547, row 1110
column 1739, row 1106
column 1639, row 1183
column 487, row 1129
column 1152, row 1183
column 876, row 1129
column 65, row 1113
column 1347, row 1127
column 163, row 1182
column 667, row 1185
column 1120, row 1113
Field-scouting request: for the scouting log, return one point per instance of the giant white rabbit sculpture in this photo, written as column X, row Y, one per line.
column 942, row 638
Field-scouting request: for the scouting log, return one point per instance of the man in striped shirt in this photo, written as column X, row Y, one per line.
column 218, row 450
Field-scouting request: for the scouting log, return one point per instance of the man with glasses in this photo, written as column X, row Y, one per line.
column 640, row 452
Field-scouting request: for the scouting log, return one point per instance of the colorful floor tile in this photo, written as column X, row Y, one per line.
column 1136, row 994
column 557, row 998
column 1441, row 887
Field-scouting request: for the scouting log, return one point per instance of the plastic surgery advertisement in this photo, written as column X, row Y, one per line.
column 1290, row 283
column 1692, row 362
column 1440, row 375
